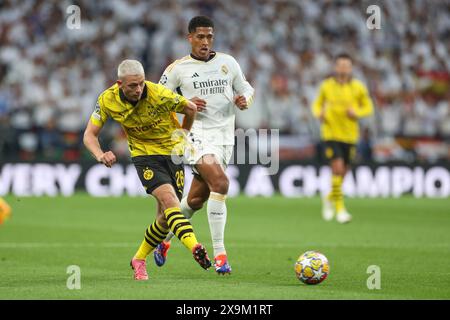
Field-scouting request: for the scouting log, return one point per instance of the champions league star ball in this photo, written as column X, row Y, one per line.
column 312, row 267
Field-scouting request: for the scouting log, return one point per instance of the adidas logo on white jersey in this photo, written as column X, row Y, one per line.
column 195, row 75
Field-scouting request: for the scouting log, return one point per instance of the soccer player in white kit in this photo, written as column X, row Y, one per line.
column 215, row 83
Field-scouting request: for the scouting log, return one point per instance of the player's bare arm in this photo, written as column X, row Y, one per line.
column 189, row 111
column 90, row 140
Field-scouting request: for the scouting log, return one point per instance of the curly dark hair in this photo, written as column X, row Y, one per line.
column 200, row 21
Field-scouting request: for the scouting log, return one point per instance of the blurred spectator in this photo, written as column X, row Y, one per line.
column 280, row 105
column 364, row 147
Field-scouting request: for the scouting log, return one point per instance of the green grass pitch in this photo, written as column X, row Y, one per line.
column 409, row 239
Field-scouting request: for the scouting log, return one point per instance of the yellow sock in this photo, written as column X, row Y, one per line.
column 336, row 194
column 181, row 227
column 154, row 235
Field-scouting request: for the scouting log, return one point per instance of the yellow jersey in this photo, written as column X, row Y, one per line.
column 334, row 99
column 150, row 124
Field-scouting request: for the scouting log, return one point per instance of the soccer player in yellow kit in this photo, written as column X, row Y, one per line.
column 341, row 102
column 146, row 112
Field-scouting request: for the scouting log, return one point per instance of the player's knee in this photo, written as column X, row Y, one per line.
column 220, row 185
column 341, row 171
column 338, row 168
column 196, row 203
column 168, row 200
column 338, row 171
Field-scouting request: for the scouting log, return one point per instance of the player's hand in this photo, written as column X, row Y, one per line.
column 322, row 117
column 107, row 158
column 199, row 103
column 240, row 102
column 351, row 113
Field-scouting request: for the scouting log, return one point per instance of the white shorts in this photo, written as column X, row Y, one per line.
column 198, row 148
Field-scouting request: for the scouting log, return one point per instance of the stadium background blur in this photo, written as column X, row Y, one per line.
column 50, row 75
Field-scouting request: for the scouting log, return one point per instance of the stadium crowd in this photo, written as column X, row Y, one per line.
column 51, row 75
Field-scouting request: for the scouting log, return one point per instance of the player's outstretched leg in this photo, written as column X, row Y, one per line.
column 182, row 228
column 178, row 223
column 160, row 253
column 154, row 234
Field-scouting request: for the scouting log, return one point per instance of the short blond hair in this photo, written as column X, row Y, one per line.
column 130, row 68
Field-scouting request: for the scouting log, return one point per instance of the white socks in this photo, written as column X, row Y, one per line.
column 217, row 218
column 187, row 211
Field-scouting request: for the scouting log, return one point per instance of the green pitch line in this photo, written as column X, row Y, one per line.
column 407, row 238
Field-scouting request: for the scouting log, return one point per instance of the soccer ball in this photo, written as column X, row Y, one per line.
column 312, row 267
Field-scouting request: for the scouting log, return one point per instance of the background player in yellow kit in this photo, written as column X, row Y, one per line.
column 146, row 112
column 341, row 102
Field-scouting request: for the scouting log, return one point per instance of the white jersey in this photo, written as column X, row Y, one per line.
column 216, row 81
